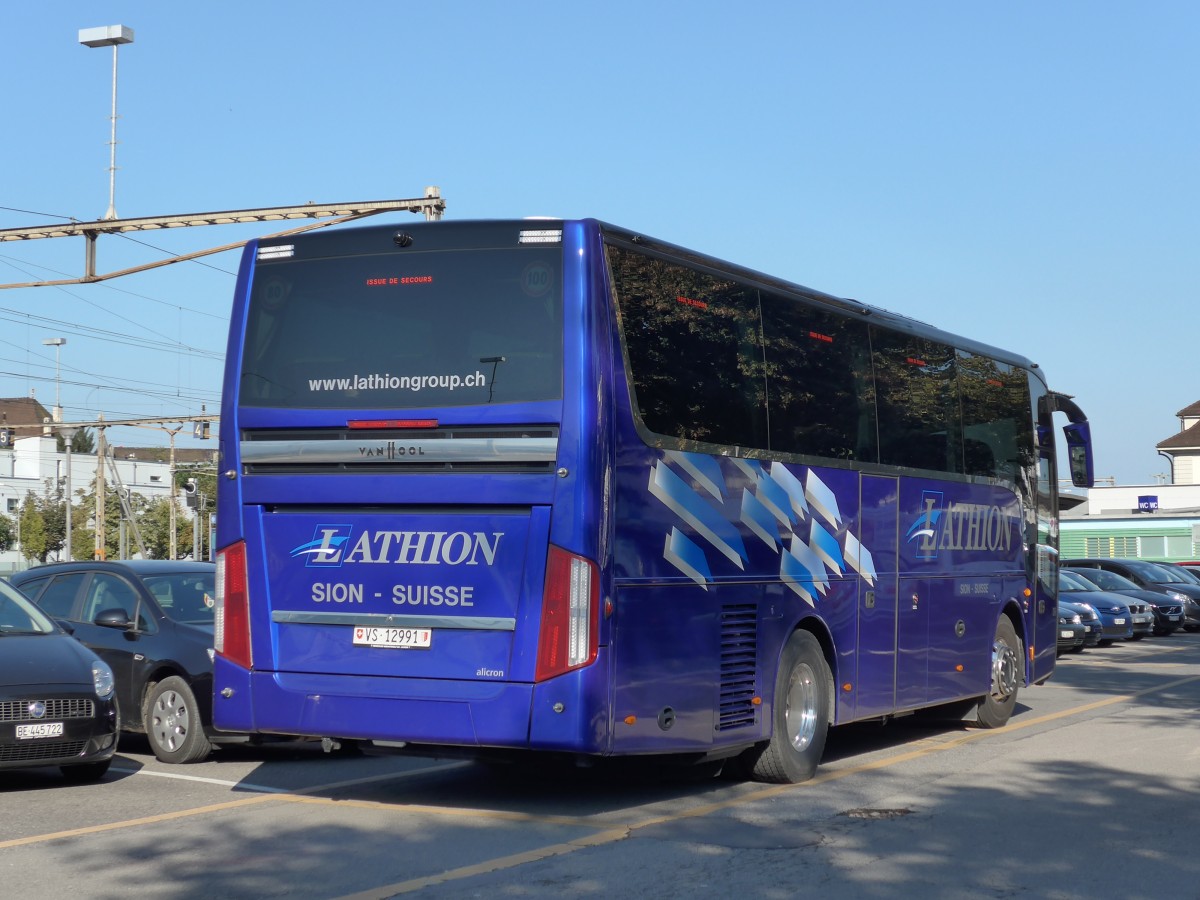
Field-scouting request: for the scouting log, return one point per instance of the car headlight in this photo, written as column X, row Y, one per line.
column 1182, row 598
column 102, row 678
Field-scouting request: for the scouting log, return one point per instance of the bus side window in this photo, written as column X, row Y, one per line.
column 920, row 418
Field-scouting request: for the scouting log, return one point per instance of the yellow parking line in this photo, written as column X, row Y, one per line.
column 606, row 834
column 612, row 835
column 145, row 820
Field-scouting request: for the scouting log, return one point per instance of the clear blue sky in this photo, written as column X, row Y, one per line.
column 1026, row 173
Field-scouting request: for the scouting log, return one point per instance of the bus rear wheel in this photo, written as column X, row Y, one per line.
column 995, row 708
column 800, row 715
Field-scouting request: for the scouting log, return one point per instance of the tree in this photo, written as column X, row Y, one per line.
column 83, row 441
column 8, row 533
column 37, row 543
column 155, row 523
column 44, row 525
column 114, row 514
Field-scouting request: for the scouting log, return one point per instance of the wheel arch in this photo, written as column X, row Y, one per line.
column 1012, row 611
column 164, row 670
column 815, row 626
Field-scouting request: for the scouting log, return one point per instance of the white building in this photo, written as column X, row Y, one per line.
column 32, row 462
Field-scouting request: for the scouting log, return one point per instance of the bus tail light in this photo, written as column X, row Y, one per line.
column 232, row 609
column 570, row 617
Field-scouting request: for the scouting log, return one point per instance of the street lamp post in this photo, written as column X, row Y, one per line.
column 109, row 36
column 57, row 344
column 68, row 434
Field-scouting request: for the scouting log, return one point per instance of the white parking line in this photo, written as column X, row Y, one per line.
column 265, row 789
column 260, row 788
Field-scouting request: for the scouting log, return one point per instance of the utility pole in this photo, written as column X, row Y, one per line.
column 101, row 548
column 174, row 541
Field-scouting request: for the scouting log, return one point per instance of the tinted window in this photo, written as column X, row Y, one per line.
column 997, row 426
column 184, row 597
column 419, row 329
column 919, row 420
column 30, row 586
column 819, row 390
column 109, row 591
column 695, row 351
column 18, row 615
column 58, row 599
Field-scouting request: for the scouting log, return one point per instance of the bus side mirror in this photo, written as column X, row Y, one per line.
column 1079, row 454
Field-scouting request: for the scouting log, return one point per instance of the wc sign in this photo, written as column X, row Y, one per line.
column 1147, row 503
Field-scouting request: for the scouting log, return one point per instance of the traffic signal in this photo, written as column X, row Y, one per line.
column 191, row 493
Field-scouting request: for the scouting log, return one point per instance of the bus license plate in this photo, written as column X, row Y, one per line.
column 403, row 638
column 39, row 730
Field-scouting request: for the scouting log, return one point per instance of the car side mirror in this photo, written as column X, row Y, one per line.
column 113, row 618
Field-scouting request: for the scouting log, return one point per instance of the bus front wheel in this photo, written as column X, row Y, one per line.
column 800, row 715
column 997, row 705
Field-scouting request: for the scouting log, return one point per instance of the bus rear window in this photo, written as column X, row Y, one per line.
column 426, row 329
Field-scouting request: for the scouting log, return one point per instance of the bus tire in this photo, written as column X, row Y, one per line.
column 173, row 724
column 997, row 705
column 799, row 717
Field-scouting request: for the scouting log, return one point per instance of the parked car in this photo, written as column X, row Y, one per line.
column 58, row 704
column 152, row 622
column 1167, row 612
column 1116, row 619
column 1120, row 622
column 1070, row 630
column 1093, row 628
column 1152, row 576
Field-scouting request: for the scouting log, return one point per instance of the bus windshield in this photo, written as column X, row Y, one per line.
column 422, row 329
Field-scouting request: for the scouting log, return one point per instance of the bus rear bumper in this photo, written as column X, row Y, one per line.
column 413, row 711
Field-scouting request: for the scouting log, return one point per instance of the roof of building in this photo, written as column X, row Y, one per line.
column 22, row 414
column 183, row 455
column 1190, row 411
column 27, row 417
column 1188, row 439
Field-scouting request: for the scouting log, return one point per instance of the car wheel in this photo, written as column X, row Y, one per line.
column 86, row 772
column 997, row 706
column 173, row 723
column 1107, row 643
column 800, row 716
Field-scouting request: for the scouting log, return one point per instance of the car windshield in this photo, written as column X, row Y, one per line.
column 184, row 596
column 1183, row 572
column 1107, row 581
column 1157, row 574
column 1068, row 581
column 19, row 616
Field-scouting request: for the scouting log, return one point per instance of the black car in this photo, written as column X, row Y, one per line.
column 1167, row 611
column 58, row 704
column 1155, row 577
column 152, row 622
column 1070, row 630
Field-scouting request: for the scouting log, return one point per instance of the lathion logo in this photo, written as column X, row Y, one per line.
column 335, row 545
column 955, row 526
column 924, row 530
column 326, row 547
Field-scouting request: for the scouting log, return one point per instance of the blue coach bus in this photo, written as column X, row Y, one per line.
column 494, row 488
